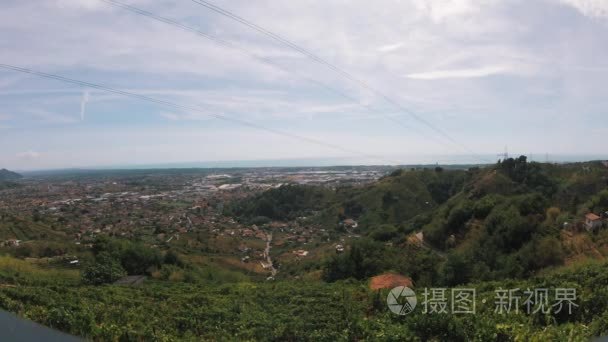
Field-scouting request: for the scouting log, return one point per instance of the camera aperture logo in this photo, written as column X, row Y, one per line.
column 401, row 300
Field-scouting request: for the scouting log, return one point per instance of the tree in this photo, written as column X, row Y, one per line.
column 172, row 258
column 364, row 259
column 456, row 270
column 385, row 232
column 24, row 251
column 105, row 269
column 516, row 169
column 599, row 203
column 548, row 252
column 458, row 216
column 137, row 258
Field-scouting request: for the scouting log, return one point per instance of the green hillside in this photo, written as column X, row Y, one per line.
column 6, row 175
column 509, row 220
column 13, row 226
column 292, row 310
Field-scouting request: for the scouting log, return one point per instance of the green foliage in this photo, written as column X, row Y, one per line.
column 4, row 185
column 507, row 229
column 598, row 203
column 546, row 251
column 529, row 174
column 400, row 197
column 136, row 258
column 303, row 311
column 6, row 175
column 171, row 258
column 516, row 169
column 497, row 224
column 14, row 226
column 284, row 203
column 105, row 269
column 19, row 272
column 455, row 271
column 458, row 216
column 385, row 232
column 365, row 258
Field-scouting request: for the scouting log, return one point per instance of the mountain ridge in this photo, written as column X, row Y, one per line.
column 7, row 175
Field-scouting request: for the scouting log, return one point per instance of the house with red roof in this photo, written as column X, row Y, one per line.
column 592, row 221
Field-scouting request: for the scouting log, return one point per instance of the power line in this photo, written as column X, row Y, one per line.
column 194, row 109
column 223, row 43
column 336, row 69
column 265, row 60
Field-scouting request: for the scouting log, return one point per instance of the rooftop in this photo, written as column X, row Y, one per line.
column 389, row 281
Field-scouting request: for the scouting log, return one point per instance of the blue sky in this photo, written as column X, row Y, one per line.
column 528, row 74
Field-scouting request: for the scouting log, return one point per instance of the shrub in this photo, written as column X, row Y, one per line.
column 105, row 269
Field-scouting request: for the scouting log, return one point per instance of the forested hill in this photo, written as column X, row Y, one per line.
column 6, row 175
column 393, row 199
column 506, row 220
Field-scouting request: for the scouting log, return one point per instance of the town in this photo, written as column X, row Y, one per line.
column 177, row 209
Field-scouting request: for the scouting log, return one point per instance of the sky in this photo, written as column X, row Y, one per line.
column 432, row 78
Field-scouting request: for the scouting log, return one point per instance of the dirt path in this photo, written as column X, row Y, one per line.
column 273, row 270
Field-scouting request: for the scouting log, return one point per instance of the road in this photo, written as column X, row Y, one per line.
column 273, row 270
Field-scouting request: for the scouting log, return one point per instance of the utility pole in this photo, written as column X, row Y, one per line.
column 504, row 155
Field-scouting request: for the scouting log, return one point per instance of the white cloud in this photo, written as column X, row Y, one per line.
column 458, row 73
column 170, row 116
column 390, row 47
column 45, row 116
column 28, row 155
column 440, row 10
column 81, row 4
column 590, row 8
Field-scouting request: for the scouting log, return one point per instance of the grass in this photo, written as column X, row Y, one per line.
column 19, row 272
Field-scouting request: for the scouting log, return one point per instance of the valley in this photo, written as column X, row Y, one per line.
column 221, row 243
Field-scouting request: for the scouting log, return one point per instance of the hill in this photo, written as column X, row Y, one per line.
column 510, row 225
column 13, row 226
column 509, row 220
column 292, row 310
column 6, row 175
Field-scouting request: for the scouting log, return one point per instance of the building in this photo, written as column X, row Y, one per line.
column 301, row 253
column 12, row 243
column 339, row 248
column 350, row 223
column 592, row 221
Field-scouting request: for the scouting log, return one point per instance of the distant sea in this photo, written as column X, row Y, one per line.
column 404, row 160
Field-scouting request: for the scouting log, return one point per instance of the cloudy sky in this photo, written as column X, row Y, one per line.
column 527, row 74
